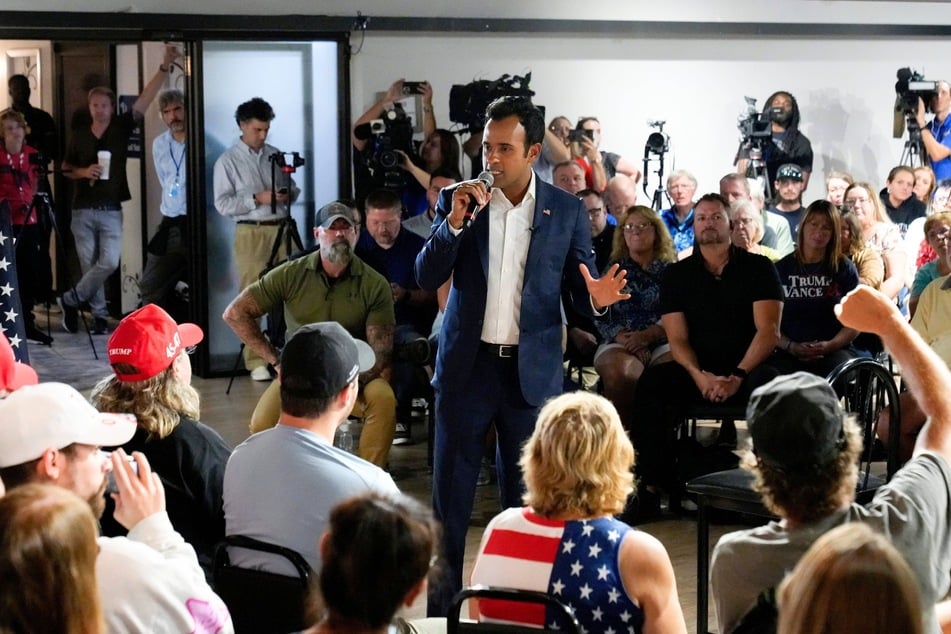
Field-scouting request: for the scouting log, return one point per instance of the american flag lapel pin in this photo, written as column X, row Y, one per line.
column 546, row 212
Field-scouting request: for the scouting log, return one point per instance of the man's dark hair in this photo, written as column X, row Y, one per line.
column 589, row 192
column 716, row 198
column 792, row 128
column 446, row 171
column 304, row 407
column 584, row 120
column 173, row 95
column 383, row 199
column 25, row 472
column 256, row 108
column 528, row 115
column 21, row 80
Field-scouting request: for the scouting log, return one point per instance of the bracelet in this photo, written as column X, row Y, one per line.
column 739, row 372
column 164, row 68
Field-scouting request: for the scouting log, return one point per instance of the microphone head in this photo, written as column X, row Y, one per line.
column 487, row 178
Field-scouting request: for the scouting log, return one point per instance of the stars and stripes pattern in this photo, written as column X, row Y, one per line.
column 573, row 561
column 12, row 324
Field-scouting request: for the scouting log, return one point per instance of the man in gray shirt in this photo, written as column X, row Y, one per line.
column 281, row 483
column 804, row 454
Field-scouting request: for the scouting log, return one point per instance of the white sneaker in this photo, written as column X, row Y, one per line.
column 260, row 373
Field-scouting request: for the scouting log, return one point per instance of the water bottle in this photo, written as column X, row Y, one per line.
column 345, row 438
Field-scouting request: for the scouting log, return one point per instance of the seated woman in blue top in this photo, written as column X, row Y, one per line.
column 631, row 330
column 815, row 277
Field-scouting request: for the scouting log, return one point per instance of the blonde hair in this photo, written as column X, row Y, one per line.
column 579, row 460
column 848, row 563
column 48, row 554
column 805, row 496
column 880, row 214
column 663, row 244
column 158, row 403
column 13, row 115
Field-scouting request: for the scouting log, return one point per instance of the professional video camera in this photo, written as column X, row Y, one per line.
column 467, row 103
column 910, row 86
column 754, row 124
column 387, row 135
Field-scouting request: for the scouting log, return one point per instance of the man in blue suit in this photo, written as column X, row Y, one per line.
column 500, row 354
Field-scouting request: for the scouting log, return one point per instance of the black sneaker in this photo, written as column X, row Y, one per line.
column 100, row 326
column 36, row 335
column 70, row 315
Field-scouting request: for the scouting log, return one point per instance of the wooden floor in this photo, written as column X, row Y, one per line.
column 71, row 360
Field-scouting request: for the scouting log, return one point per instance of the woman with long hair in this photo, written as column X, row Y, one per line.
column 577, row 467
column 868, row 263
column 152, row 380
column 815, row 277
column 377, row 554
column 631, row 330
column 898, row 197
column 48, row 554
column 879, row 233
column 850, row 580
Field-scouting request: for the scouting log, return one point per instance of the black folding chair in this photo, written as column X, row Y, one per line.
column 564, row 617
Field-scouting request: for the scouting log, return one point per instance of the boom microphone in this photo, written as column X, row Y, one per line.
column 486, row 179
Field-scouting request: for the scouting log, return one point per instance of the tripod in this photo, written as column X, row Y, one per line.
column 42, row 207
column 657, row 144
column 914, row 150
column 287, row 236
column 756, row 167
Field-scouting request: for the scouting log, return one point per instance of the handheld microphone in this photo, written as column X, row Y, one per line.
column 486, row 179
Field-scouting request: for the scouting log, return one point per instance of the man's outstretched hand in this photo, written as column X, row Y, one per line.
column 606, row 289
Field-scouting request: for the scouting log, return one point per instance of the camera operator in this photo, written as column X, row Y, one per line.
column 787, row 144
column 935, row 135
column 17, row 186
column 439, row 147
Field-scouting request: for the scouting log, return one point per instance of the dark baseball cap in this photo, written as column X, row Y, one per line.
column 331, row 211
column 796, row 422
column 321, row 359
column 789, row 171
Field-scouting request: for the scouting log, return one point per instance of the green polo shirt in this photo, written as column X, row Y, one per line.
column 360, row 298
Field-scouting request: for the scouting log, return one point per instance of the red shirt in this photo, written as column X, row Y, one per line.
column 18, row 183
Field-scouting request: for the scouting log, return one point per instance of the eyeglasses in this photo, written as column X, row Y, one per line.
column 191, row 349
column 636, row 228
column 854, row 201
column 594, row 212
column 940, row 234
column 742, row 222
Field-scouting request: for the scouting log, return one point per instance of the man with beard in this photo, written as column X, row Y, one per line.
column 330, row 284
column 50, row 434
column 790, row 183
column 720, row 309
column 786, row 145
column 167, row 255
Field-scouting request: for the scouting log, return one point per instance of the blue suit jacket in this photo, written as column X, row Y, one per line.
column 560, row 239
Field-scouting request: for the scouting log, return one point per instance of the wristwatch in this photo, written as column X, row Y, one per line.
column 740, row 372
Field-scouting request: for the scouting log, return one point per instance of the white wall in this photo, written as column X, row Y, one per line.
column 845, row 88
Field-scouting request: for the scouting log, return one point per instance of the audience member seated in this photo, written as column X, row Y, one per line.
column 50, row 434
column 619, row 196
column 720, row 309
column 569, row 176
column 850, row 580
column 868, row 262
column 600, row 166
column 392, row 252
column 633, row 336
column 898, row 197
column 836, row 184
column 804, row 458
column 924, row 184
column 377, row 552
column 48, row 554
column 602, row 233
column 776, row 222
column 329, row 284
column 681, row 185
column 149, row 355
column 564, row 542
column 747, row 231
column 815, row 278
column 735, row 187
column 937, row 230
column 879, row 233
column 281, row 483
column 554, row 147
column 787, row 195
column 422, row 224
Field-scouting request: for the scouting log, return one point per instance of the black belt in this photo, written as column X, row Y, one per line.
column 499, row 350
column 260, row 223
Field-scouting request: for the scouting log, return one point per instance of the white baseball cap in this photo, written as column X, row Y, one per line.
column 52, row 416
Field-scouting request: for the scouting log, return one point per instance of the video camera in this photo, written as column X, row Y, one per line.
column 910, row 86
column 387, row 135
column 754, row 124
column 467, row 103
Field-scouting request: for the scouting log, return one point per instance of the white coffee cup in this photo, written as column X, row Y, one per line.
column 105, row 158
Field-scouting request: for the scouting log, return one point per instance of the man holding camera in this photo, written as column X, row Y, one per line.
column 786, row 145
column 243, row 191
column 935, row 135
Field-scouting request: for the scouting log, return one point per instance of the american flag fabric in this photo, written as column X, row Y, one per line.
column 574, row 561
column 12, row 323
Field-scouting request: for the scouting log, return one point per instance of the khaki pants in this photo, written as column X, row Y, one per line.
column 376, row 405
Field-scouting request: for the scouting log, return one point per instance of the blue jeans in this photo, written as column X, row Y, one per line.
column 98, row 236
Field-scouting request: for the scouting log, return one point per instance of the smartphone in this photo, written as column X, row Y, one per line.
column 111, row 476
column 412, row 87
column 577, row 136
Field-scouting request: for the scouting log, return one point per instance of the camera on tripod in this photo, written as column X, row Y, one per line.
column 657, row 142
column 387, row 137
column 280, row 160
column 754, row 124
column 911, row 86
column 467, row 103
